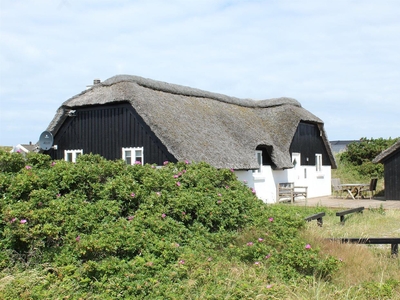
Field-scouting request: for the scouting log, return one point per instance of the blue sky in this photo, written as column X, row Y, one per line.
column 340, row 59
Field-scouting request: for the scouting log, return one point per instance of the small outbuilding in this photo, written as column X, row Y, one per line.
column 140, row 120
column 391, row 161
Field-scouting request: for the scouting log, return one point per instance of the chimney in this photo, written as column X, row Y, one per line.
column 96, row 81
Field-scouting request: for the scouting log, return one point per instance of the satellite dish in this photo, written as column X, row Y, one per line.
column 46, row 140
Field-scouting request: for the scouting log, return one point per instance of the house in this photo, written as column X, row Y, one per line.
column 25, row 148
column 141, row 120
column 341, row 146
column 391, row 162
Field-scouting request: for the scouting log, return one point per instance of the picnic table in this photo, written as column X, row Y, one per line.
column 354, row 189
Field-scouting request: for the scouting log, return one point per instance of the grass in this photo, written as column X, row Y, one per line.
column 364, row 267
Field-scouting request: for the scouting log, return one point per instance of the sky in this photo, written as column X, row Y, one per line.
column 340, row 59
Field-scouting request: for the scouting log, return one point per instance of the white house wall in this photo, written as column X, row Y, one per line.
column 264, row 182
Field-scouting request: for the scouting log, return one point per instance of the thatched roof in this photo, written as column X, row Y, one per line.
column 386, row 153
column 202, row 126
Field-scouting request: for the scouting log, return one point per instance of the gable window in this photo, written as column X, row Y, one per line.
column 259, row 157
column 72, row 155
column 318, row 162
column 133, row 155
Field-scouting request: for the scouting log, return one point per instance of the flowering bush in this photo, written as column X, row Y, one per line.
column 106, row 228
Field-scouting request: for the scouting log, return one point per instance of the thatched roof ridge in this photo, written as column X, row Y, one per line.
column 203, row 126
column 386, row 153
column 193, row 92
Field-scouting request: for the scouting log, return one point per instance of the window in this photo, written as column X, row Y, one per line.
column 318, row 162
column 259, row 160
column 133, row 155
column 72, row 155
column 296, row 159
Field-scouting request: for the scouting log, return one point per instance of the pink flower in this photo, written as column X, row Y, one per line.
column 257, row 263
column 232, row 170
column 269, row 286
column 308, row 246
column 19, row 151
column 130, row 218
column 53, row 163
column 182, row 262
column 78, row 238
column 209, row 259
column 28, row 167
column 268, row 256
column 138, row 162
column 253, row 190
column 219, row 201
column 13, row 220
column 219, row 195
column 58, row 195
column 158, row 193
column 271, row 219
column 176, row 176
column 133, row 195
column 23, row 221
column 245, row 181
column 249, row 244
column 178, row 183
column 163, row 216
column 183, row 213
column 165, row 162
column 260, row 240
column 187, row 162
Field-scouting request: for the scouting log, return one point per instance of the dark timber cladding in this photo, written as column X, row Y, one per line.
column 308, row 141
column 105, row 130
column 392, row 177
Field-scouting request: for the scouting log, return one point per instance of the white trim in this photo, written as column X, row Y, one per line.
column 72, row 155
column 133, row 155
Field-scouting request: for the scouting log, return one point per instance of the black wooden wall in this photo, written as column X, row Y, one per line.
column 307, row 141
column 392, row 176
column 105, row 130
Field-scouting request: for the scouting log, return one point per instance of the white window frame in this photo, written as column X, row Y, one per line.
column 74, row 154
column 296, row 156
column 318, row 162
column 135, row 156
column 259, row 158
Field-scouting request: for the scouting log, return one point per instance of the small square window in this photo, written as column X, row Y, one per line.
column 72, row 155
column 137, row 157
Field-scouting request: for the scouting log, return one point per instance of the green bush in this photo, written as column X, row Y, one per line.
column 360, row 155
column 103, row 229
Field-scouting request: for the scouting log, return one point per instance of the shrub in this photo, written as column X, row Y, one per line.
column 112, row 230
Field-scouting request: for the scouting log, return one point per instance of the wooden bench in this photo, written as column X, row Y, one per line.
column 317, row 217
column 342, row 213
column 394, row 242
column 287, row 191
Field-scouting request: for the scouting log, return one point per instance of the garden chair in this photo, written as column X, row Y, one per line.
column 337, row 187
column 372, row 187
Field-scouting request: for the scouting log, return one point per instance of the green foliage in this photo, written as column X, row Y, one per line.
column 360, row 155
column 103, row 229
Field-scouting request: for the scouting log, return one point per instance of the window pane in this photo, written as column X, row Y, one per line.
column 128, row 160
column 69, row 156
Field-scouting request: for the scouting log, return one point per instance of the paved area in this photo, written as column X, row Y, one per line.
column 333, row 202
